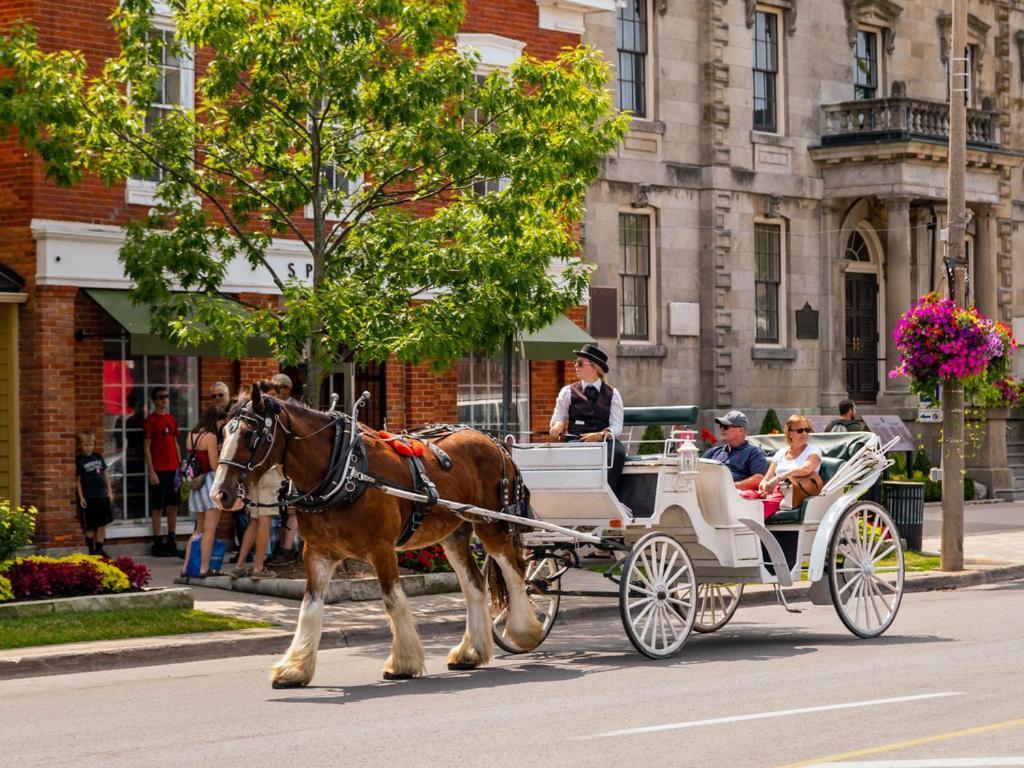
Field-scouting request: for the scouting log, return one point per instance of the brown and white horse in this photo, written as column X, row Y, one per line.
column 265, row 432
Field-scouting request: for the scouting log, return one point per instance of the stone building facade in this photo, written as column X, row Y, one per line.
column 780, row 199
column 75, row 355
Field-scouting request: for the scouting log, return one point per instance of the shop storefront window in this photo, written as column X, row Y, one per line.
column 128, row 383
column 480, row 390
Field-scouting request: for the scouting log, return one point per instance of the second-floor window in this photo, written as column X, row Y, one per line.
column 174, row 89
column 635, row 244
column 967, row 84
column 767, row 281
column 865, row 65
column 766, row 71
column 631, row 42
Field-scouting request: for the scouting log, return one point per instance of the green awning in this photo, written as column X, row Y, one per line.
column 556, row 341
column 134, row 318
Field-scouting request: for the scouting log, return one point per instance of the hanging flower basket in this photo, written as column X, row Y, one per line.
column 939, row 342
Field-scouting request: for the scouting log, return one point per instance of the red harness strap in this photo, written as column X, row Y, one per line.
column 403, row 446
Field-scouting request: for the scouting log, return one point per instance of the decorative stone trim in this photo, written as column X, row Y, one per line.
column 175, row 597
column 977, row 35
column 568, row 15
column 789, row 11
column 773, row 354
column 625, row 349
column 880, row 13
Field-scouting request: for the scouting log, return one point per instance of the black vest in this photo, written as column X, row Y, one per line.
column 595, row 416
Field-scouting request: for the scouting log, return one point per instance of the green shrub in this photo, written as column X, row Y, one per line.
column 921, row 461
column 16, row 527
column 6, row 592
column 653, row 441
column 771, row 424
column 933, row 490
column 899, row 467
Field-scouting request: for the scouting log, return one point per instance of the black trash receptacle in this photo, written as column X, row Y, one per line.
column 905, row 502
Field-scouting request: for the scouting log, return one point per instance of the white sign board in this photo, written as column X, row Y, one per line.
column 684, row 318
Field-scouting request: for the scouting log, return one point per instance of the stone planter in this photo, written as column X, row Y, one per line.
column 340, row 591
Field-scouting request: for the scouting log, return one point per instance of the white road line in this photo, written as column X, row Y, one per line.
column 768, row 715
column 952, row 762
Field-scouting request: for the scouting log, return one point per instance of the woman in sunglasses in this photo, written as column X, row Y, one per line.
column 798, row 462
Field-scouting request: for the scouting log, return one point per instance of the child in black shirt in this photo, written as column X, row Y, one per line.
column 94, row 493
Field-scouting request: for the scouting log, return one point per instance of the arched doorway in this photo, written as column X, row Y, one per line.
column 861, row 352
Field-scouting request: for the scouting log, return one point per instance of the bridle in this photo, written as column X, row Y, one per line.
column 262, row 429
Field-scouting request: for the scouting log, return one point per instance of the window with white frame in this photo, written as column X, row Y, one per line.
column 766, row 71
column 631, row 30
column 866, row 72
column 635, row 240
column 768, row 271
column 492, row 185
column 175, row 91
column 961, row 83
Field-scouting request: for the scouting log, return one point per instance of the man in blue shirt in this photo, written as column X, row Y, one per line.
column 746, row 462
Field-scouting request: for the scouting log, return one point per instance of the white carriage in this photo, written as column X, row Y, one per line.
column 687, row 543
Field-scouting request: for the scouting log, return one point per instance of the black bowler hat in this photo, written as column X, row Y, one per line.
column 592, row 353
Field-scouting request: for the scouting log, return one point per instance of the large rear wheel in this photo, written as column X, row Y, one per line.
column 657, row 595
column 866, row 569
column 543, row 575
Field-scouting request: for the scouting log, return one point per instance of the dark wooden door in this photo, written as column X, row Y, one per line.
column 861, row 355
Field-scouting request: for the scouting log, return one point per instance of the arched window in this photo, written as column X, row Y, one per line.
column 857, row 249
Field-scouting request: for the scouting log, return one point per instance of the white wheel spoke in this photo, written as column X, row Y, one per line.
column 850, row 583
column 643, row 590
column 889, row 551
column 886, row 568
column 641, row 601
column 668, row 567
column 680, row 603
column 649, row 576
column 675, row 576
column 874, row 605
column 891, row 587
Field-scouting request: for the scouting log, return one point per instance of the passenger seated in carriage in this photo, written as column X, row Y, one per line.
column 746, row 462
column 591, row 409
column 796, row 464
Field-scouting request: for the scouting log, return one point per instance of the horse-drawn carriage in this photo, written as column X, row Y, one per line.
column 686, row 542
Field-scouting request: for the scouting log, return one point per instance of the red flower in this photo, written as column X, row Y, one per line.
column 707, row 437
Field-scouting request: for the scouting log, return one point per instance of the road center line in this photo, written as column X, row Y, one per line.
column 834, row 759
column 952, row 762
column 769, row 715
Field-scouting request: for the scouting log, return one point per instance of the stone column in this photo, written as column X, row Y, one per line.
column 897, row 286
column 833, row 316
column 986, row 274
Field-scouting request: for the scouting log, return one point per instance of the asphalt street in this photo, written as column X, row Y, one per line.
column 942, row 688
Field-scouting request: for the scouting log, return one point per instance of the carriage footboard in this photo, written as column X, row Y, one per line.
column 778, row 557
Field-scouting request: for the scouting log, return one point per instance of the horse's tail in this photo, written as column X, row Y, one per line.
column 497, row 589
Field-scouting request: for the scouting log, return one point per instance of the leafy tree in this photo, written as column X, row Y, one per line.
column 652, row 441
column 436, row 205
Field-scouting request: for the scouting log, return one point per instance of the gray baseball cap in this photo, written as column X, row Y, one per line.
column 733, row 419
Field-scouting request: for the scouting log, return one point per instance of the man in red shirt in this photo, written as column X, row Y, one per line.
column 161, row 449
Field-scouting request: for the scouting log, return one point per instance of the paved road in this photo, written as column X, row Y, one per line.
column 953, row 658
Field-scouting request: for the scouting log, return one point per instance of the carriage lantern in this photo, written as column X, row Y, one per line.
column 688, row 456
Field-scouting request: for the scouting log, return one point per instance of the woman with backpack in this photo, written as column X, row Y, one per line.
column 197, row 471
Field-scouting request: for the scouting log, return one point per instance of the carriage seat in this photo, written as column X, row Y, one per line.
column 827, row 470
column 660, row 415
column 719, row 502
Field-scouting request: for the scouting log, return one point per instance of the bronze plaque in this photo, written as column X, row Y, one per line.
column 806, row 322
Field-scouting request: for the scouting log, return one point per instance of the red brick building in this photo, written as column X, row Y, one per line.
column 76, row 355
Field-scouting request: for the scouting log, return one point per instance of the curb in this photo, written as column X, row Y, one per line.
column 163, row 597
column 340, row 591
column 254, row 642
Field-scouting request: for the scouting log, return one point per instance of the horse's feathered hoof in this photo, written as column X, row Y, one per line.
column 279, row 684
column 398, row 676
column 459, row 666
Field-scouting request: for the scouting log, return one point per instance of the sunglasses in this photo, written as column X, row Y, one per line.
column 218, row 395
column 581, row 363
column 802, row 430
column 725, row 427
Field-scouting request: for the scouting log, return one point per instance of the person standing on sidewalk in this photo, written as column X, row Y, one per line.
column 263, row 500
column 203, row 440
column 285, row 551
column 160, row 448
column 94, row 493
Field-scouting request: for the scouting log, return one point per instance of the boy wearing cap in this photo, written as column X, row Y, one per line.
column 746, row 462
column 591, row 410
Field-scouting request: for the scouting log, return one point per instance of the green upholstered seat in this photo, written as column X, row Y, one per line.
column 826, row 471
column 635, row 416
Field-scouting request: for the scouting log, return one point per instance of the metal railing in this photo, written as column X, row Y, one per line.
column 899, row 118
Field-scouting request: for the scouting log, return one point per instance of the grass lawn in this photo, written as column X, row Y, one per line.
column 113, row 625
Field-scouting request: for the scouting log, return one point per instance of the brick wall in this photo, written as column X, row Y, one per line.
column 516, row 19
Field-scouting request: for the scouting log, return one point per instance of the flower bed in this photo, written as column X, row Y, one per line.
column 36, row 577
column 433, row 560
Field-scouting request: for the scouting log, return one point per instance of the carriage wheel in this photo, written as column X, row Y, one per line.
column 656, row 596
column 539, row 573
column 866, row 569
column 716, row 603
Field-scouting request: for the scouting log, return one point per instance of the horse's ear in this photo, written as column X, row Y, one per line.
column 257, row 401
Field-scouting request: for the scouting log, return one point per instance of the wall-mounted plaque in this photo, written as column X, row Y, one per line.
column 806, row 322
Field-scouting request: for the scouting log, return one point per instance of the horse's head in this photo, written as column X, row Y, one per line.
column 253, row 443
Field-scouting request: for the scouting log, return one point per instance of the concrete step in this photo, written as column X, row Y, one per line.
column 1008, row 495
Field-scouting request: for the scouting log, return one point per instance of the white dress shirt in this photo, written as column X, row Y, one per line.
column 565, row 397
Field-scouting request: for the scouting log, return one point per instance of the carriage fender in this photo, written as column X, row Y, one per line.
column 819, row 549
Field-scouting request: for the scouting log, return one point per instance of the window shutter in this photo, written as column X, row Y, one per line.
column 604, row 318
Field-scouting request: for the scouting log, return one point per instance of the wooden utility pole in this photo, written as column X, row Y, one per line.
column 953, row 391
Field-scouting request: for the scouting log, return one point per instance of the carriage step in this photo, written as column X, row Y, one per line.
column 782, row 600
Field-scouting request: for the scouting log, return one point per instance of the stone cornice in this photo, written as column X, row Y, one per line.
column 788, row 8
column 882, row 13
column 871, row 153
column 977, row 34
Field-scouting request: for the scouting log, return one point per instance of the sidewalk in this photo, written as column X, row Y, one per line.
column 994, row 551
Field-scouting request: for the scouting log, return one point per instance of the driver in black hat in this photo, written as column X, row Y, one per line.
column 591, row 409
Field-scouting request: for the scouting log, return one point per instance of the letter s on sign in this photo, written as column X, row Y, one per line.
column 291, row 269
